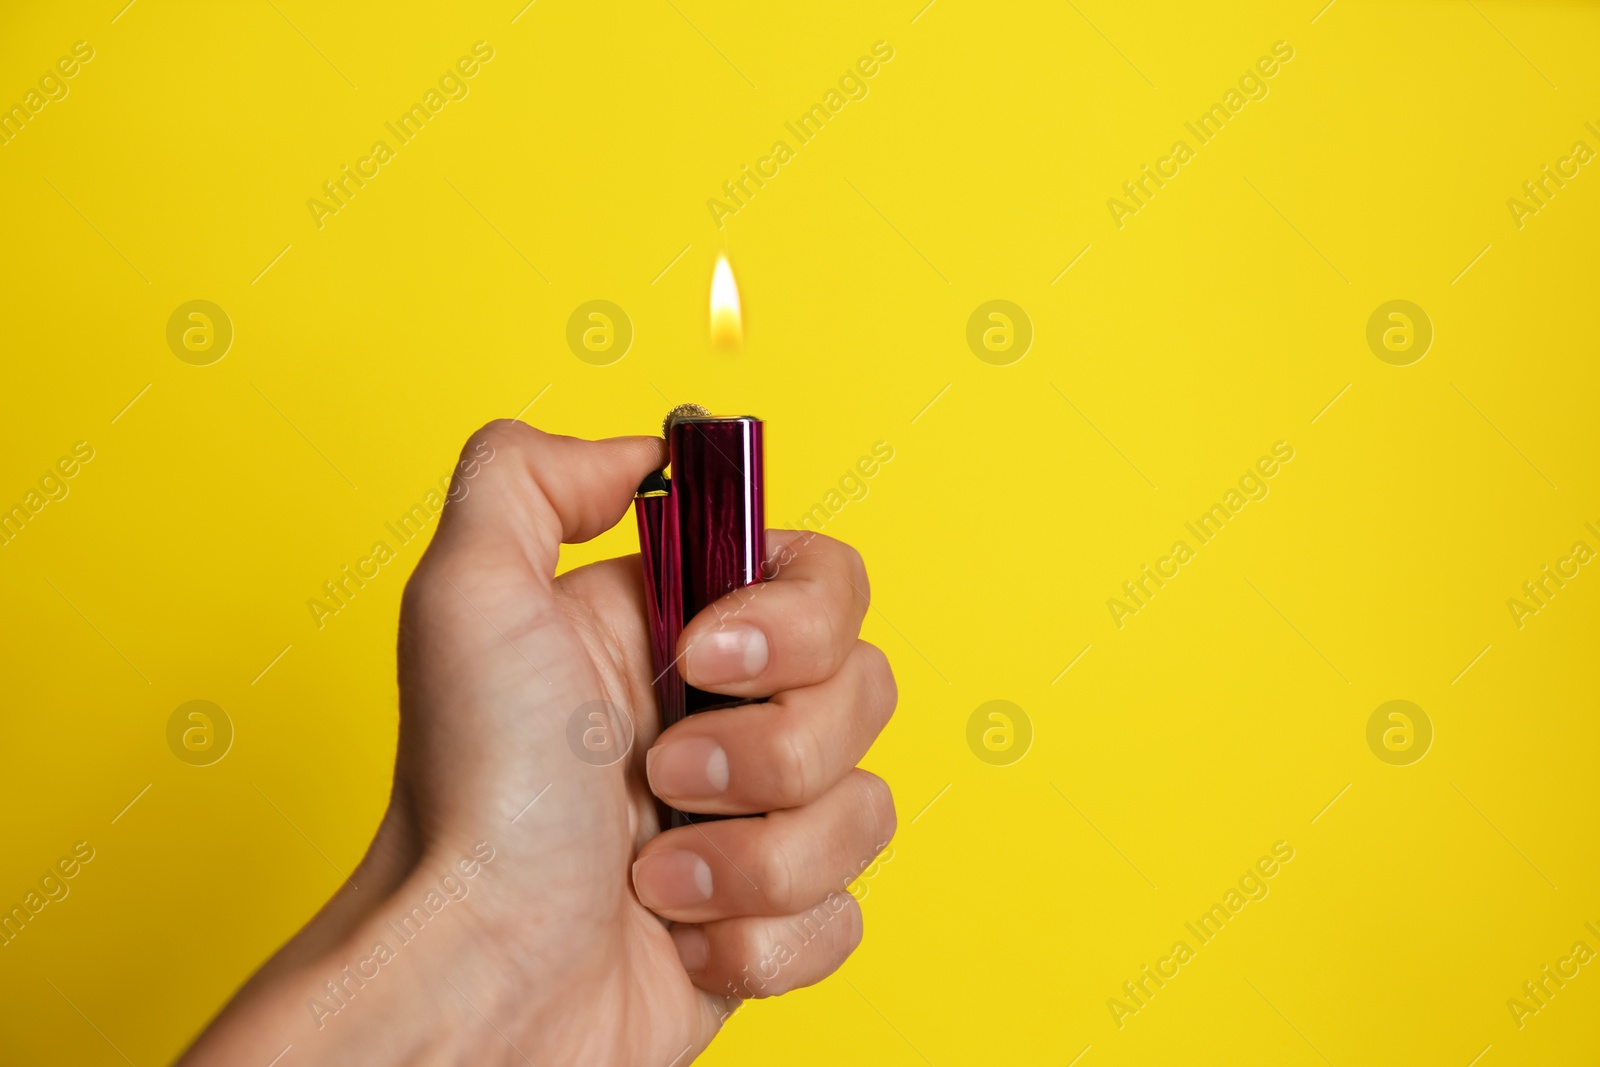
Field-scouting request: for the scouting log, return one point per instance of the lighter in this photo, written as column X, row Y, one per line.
column 702, row 535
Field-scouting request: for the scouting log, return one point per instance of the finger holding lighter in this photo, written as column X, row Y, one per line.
column 733, row 612
column 768, row 700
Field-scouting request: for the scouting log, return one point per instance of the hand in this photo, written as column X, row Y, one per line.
column 519, row 902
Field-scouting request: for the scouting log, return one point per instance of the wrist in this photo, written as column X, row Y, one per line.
column 367, row 980
column 406, row 968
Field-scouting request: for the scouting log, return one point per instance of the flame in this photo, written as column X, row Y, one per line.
column 727, row 322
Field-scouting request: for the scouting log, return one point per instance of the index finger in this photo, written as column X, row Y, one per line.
column 794, row 629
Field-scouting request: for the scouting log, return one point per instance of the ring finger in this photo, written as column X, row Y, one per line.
column 774, row 865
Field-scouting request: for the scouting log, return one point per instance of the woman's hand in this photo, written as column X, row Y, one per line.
column 519, row 903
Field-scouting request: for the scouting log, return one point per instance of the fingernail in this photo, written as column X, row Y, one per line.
column 666, row 881
column 732, row 654
column 687, row 770
column 693, row 948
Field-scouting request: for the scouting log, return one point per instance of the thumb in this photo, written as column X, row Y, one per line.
column 519, row 493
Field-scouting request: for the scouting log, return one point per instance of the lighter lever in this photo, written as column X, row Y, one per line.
column 702, row 535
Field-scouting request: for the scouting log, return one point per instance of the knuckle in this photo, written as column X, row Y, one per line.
column 796, row 760
column 882, row 692
column 843, row 912
column 846, row 562
column 775, row 876
column 498, row 433
column 815, row 632
column 422, row 590
column 508, row 430
column 878, row 799
column 857, row 929
column 436, row 593
column 841, row 557
column 500, row 437
column 856, row 568
column 779, row 557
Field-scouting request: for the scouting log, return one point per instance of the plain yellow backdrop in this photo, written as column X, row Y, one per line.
column 1227, row 314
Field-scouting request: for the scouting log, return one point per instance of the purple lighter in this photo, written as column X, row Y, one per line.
column 702, row 535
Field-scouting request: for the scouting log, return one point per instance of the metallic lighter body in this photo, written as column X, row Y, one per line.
column 702, row 535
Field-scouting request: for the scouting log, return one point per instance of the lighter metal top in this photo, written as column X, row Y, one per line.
column 682, row 411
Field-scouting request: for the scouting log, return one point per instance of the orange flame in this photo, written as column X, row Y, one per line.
column 727, row 322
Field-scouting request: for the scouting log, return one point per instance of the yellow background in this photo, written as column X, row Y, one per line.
column 1223, row 317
